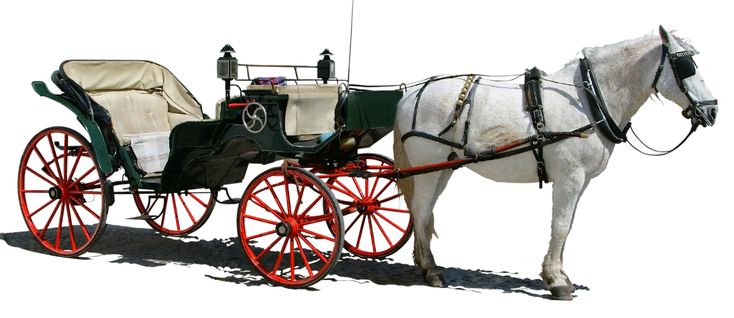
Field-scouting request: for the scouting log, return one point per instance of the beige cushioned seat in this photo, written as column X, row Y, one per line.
column 310, row 110
column 144, row 100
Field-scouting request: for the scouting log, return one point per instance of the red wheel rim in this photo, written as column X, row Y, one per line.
column 284, row 227
column 377, row 220
column 60, row 191
column 175, row 214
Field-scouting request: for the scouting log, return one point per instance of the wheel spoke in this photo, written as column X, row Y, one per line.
column 280, row 257
column 41, row 176
column 313, row 249
column 260, row 235
column 41, row 208
column 367, row 186
column 293, row 261
column 372, row 234
column 186, row 207
column 247, row 216
column 260, row 203
column 175, row 211
column 317, row 235
column 344, row 189
column 384, row 188
column 85, row 207
column 45, row 227
column 318, row 218
column 267, row 249
column 374, row 187
column 303, row 257
column 310, row 206
column 56, row 157
column 34, row 191
column 356, row 184
column 298, row 200
column 379, row 226
column 390, row 198
column 391, row 222
column 76, row 162
column 45, row 165
column 61, row 223
column 353, row 222
column 287, row 198
column 275, row 197
column 71, row 227
column 197, row 199
column 84, row 227
column 361, row 228
column 164, row 211
column 393, row 210
column 82, row 177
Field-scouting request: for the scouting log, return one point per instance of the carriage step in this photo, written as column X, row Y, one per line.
column 229, row 201
column 143, row 217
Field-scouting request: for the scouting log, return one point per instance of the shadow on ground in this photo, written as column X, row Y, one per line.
column 147, row 248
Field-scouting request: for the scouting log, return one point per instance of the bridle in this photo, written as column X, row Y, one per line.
column 684, row 67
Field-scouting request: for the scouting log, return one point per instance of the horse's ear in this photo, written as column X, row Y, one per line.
column 664, row 36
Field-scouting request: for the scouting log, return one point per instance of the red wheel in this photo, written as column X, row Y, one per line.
column 60, row 189
column 290, row 227
column 175, row 214
column 377, row 220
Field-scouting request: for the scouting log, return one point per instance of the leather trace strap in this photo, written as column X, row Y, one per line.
column 599, row 111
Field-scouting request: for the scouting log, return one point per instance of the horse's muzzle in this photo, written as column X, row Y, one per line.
column 703, row 113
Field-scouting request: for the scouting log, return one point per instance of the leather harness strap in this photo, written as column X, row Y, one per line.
column 533, row 90
column 599, row 111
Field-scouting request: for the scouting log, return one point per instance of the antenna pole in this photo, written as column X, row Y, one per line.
column 351, row 27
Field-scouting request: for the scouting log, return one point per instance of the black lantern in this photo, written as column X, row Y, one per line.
column 227, row 64
column 325, row 67
column 227, row 69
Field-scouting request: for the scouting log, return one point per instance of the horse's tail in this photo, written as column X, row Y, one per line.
column 401, row 161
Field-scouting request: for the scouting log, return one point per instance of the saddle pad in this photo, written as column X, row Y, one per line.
column 311, row 109
column 151, row 149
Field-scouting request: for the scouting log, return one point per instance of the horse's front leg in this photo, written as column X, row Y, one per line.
column 566, row 193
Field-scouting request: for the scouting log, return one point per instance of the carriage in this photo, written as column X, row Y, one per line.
column 293, row 220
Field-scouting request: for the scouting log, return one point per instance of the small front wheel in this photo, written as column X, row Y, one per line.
column 290, row 227
column 175, row 214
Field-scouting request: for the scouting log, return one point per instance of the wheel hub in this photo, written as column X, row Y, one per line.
column 283, row 229
column 367, row 205
column 55, row 193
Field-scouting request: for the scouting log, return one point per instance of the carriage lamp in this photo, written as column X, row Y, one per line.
column 325, row 67
column 227, row 69
column 227, row 64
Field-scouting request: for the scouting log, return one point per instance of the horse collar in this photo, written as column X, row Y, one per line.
column 599, row 111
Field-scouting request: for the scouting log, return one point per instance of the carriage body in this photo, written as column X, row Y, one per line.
column 175, row 159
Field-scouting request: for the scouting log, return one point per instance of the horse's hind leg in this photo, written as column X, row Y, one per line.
column 426, row 189
column 566, row 193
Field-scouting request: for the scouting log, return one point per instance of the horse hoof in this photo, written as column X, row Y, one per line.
column 435, row 279
column 561, row 292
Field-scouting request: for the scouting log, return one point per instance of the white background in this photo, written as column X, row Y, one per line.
column 652, row 236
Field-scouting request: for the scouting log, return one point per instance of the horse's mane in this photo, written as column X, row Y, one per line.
column 611, row 50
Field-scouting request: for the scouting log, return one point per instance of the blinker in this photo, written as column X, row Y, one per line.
column 684, row 67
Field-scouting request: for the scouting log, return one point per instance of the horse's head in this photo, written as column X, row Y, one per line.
column 680, row 81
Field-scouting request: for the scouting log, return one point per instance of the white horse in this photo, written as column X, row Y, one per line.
column 627, row 75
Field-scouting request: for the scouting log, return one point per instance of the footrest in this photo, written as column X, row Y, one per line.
column 143, row 217
column 230, row 201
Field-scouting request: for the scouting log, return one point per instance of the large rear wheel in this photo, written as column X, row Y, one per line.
column 61, row 191
column 290, row 227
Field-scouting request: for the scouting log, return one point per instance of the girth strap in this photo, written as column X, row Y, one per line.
column 533, row 90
